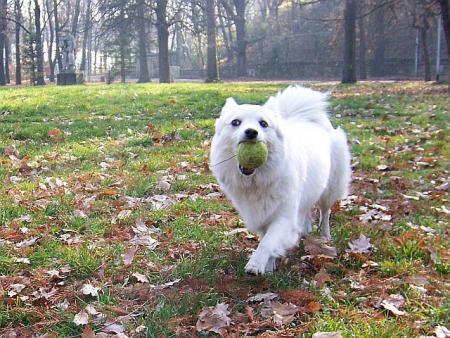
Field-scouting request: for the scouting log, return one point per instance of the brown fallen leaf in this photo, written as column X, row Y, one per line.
column 318, row 247
column 55, row 134
column 88, row 333
column 283, row 313
column 312, row 307
column 128, row 256
column 214, row 319
column 321, row 278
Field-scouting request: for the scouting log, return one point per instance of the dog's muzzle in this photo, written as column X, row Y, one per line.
column 245, row 171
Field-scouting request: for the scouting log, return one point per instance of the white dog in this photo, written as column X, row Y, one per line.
column 308, row 164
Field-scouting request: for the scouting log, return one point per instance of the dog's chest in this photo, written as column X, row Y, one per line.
column 257, row 206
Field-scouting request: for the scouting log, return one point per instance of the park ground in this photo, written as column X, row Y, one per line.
column 111, row 223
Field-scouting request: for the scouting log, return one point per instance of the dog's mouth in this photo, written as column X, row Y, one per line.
column 246, row 171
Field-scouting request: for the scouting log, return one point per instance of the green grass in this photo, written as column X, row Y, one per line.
column 118, row 142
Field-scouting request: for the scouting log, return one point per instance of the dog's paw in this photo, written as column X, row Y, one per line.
column 254, row 267
column 271, row 265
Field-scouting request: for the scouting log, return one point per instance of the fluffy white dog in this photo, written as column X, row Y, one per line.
column 308, row 164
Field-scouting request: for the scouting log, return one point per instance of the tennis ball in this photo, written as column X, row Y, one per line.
column 252, row 155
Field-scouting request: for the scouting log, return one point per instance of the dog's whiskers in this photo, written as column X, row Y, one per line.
column 224, row 160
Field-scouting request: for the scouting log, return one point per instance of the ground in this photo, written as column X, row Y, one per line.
column 110, row 220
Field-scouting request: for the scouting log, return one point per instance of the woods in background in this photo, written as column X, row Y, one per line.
column 209, row 39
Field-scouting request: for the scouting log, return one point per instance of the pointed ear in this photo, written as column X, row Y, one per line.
column 272, row 104
column 230, row 103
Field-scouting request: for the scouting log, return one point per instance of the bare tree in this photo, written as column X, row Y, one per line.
column 237, row 13
column 3, row 12
column 144, row 75
column 162, row 27
column 18, row 19
column 362, row 50
column 39, row 46
column 212, row 73
column 349, row 70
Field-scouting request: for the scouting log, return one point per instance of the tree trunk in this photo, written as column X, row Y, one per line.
column 380, row 42
column 18, row 18
column 226, row 39
column 57, row 51
column 211, row 70
column 241, row 37
column 122, row 45
column 445, row 13
column 51, row 39
column 362, row 49
column 142, row 41
column 39, row 48
column 87, row 23
column 3, row 9
column 349, row 71
column 7, row 58
column 425, row 52
column 162, row 28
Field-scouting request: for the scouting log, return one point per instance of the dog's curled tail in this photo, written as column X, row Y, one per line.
column 300, row 103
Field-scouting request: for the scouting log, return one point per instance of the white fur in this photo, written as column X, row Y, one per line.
column 308, row 164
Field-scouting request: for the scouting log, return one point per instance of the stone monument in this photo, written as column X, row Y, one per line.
column 66, row 75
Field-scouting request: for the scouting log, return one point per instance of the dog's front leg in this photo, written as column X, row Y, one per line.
column 281, row 235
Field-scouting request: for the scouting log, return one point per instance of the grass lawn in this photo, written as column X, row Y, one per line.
column 110, row 220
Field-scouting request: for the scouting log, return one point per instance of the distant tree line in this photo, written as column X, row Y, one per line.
column 112, row 36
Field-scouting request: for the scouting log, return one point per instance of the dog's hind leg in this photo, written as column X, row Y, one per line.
column 324, row 224
column 308, row 222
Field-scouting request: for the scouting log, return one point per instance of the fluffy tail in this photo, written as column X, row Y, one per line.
column 300, row 103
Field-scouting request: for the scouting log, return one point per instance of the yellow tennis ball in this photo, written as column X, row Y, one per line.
column 252, row 155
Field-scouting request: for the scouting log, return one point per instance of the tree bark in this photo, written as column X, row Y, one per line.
column 226, row 39
column 87, row 23
column 211, row 63
column 241, row 37
column 51, row 39
column 122, row 45
column 3, row 9
column 57, row 51
column 144, row 76
column 445, row 14
column 362, row 49
column 425, row 52
column 349, row 71
column 39, row 47
column 18, row 18
column 162, row 28
column 7, row 58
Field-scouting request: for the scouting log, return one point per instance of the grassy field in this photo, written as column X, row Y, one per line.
column 110, row 220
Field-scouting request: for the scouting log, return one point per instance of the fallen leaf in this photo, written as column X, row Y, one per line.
column 88, row 333
column 312, row 307
column 89, row 289
column 214, row 319
column 55, row 134
column 114, row 328
column 442, row 332
column 15, row 289
column 360, row 245
column 260, row 297
column 283, row 313
column 129, row 255
column 81, row 318
column 26, row 243
column 394, row 303
column 318, row 247
column 140, row 277
column 321, row 278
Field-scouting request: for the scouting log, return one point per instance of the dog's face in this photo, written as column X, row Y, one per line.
column 246, row 122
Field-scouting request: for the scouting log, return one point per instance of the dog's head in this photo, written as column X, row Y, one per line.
column 247, row 122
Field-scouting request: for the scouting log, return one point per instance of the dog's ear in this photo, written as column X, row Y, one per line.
column 230, row 104
column 272, row 104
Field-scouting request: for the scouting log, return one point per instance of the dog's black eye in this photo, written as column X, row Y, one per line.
column 236, row 123
column 263, row 124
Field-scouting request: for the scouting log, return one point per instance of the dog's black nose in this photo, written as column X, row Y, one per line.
column 250, row 133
